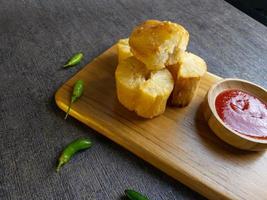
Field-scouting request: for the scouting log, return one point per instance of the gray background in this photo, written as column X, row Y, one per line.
column 37, row 37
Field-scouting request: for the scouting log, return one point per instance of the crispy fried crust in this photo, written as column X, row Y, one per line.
column 187, row 74
column 157, row 43
column 143, row 91
column 123, row 49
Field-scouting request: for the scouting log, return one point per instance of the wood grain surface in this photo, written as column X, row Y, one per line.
column 178, row 142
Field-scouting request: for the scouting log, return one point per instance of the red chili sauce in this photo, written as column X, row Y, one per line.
column 243, row 113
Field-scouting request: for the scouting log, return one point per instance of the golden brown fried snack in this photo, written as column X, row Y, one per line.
column 186, row 74
column 141, row 90
column 123, row 49
column 157, row 43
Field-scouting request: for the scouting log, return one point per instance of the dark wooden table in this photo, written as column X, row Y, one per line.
column 36, row 38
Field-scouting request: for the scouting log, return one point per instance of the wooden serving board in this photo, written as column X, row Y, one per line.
column 179, row 142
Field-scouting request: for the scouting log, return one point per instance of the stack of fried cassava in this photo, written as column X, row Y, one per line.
column 153, row 66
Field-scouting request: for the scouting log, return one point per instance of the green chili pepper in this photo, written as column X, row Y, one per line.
column 133, row 195
column 74, row 60
column 71, row 149
column 76, row 93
